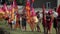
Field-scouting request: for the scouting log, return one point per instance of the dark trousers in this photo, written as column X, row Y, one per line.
column 10, row 24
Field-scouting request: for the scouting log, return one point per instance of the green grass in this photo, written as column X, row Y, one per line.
column 18, row 31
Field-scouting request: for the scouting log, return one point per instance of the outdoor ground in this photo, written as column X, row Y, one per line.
column 3, row 24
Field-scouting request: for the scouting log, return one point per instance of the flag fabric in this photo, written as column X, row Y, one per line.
column 58, row 10
column 14, row 13
column 1, row 11
column 44, row 16
column 28, row 10
column 5, row 8
column 32, row 10
column 14, row 8
column 28, row 13
column 58, row 17
column 32, row 1
column 31, row 15
column 50, row 12
column 15, row 5
column 10, row 10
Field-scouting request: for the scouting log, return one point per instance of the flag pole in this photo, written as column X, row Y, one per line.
column 44, row 19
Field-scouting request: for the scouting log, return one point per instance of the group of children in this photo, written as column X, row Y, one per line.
column 47, row 18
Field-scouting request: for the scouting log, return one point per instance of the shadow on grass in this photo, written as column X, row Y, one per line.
column 3, row 31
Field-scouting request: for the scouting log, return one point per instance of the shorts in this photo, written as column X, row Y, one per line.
column 10, row 24
column 55, row 23
column 13, row 22
column 23, row 23
column 19, row 22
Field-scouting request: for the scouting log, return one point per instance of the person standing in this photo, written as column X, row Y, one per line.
column 10, row 23
column 55, row 21
column 44, row 18
column 23, row 22
column 18, row 19
column 49, row 20
column 58, row 19
column 38, row 25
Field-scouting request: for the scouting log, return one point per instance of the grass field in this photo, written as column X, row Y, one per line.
column 4, row 25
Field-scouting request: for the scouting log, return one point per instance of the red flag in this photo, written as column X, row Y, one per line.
column 32, row 9
column 32, row 0
column 33, row 12
column 12, row 10
column 15, row 5
column 44, row 17
column 5, row 8
column 58, row 10
column 1, row 11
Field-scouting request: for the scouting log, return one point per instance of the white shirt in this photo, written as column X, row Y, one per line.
column 55, row 14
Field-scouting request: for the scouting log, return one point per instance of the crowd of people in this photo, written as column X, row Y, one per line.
column 47, row 18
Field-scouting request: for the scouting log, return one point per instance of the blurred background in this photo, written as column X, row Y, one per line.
column 37, row 3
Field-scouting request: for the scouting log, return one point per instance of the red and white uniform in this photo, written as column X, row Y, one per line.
column 49, row 19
